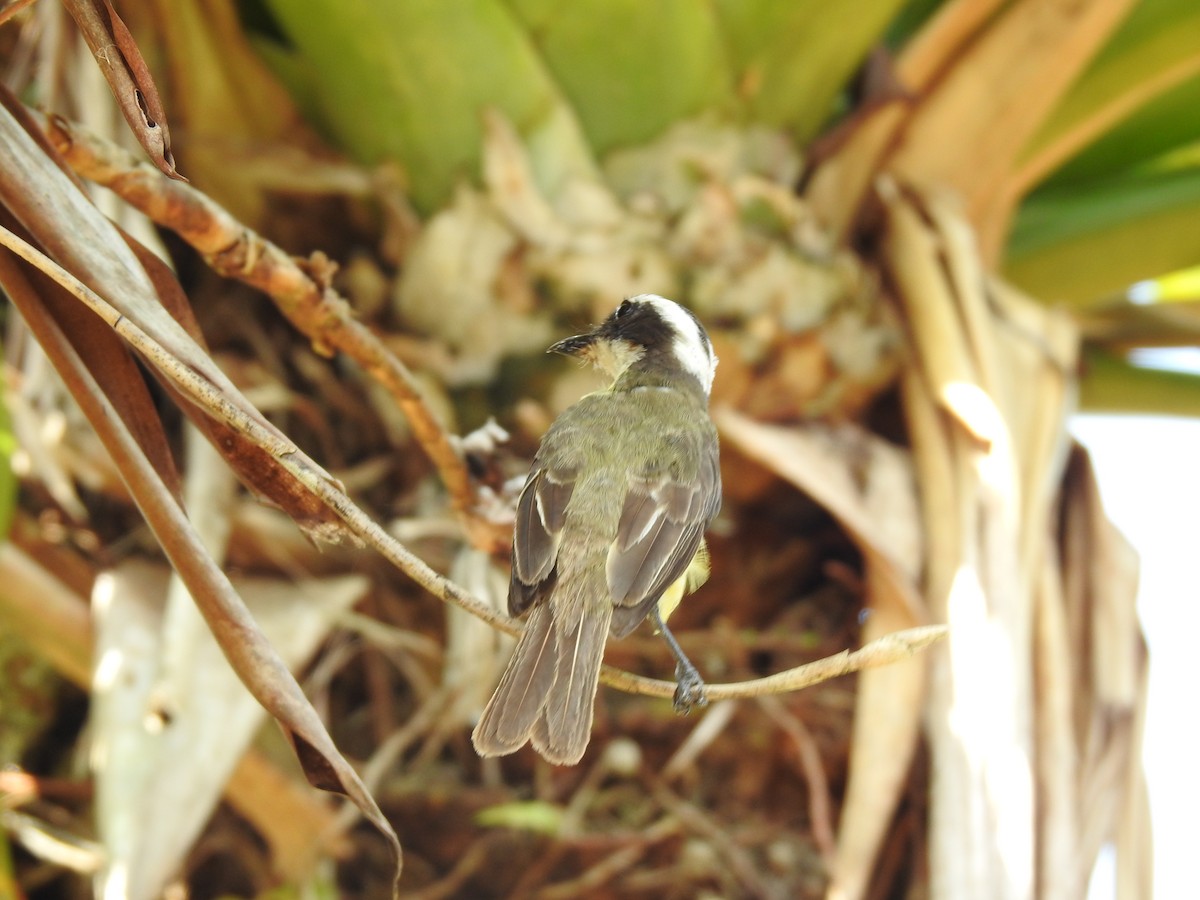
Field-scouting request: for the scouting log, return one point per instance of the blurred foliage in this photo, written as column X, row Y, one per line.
column 653, row 146
column 1104, row 212
column 1159, row 40
column 1086, row 245
column 1115, row 385
column 791, row 60
column 532, row 816
column 410, row 81
column 384, row 66
column 29, row 694
column 8, row 482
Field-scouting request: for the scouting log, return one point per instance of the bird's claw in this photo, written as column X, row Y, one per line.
column 689, row 690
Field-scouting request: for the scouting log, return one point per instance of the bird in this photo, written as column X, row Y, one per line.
column 609, row 526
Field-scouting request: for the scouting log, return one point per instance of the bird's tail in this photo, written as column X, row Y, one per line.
column 547, row 693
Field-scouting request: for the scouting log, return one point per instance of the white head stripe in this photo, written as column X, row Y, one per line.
column 691, row 346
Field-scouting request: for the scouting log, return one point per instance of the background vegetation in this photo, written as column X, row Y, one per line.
column 912, row 230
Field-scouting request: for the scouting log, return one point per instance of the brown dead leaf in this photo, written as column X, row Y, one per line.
column 841, row 183
column 887, row 725
column 60, row 218
column 1058, row 758
column 248, row 651
column 145, row 297
column 236, row 252
column 1101, row 567
column 119, row 59
column 835, row 466
column 103, row 351
column 994, row 99
column 981, row 83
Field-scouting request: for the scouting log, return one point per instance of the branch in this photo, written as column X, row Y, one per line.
column 881, row 652
column 300, row 289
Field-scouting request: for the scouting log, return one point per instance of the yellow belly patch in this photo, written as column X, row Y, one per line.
column 696, row 574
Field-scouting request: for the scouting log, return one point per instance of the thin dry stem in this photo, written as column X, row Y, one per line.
column 710, row 727
column 468, row 864
column 12, row 9
column 616, row 863
column 820, row 805
column 53, row 845
column 743, row 867
column 300, row 289
column 887, row 649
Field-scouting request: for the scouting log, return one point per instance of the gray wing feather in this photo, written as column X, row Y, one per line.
column 541, row 513
column 660, row 529
column 635, row 561
column 628, row 617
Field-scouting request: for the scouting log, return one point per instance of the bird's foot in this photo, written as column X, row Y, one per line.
column 689, row 689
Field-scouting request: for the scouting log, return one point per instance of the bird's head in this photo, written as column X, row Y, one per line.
column 655, row 335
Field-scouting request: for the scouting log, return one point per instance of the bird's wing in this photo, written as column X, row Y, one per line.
column 662, row 523
column 537, row 532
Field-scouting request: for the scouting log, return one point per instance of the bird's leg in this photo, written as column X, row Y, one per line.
column 689, row 686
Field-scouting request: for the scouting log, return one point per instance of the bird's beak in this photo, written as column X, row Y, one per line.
column 573, row 346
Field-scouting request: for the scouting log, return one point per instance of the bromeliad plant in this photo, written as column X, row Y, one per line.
column 913, row 228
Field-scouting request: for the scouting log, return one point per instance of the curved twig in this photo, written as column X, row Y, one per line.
column 885, row 650
column 301, row 290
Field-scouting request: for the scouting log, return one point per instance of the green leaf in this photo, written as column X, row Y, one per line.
column 1165, row 120
column 1084, row 243
column 1164, row 124
column 409, row 81
column 8, row 878
column 298, row 75
column 791, row 58
column 1112, row 384
column 534, row 815
column 630, row 69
